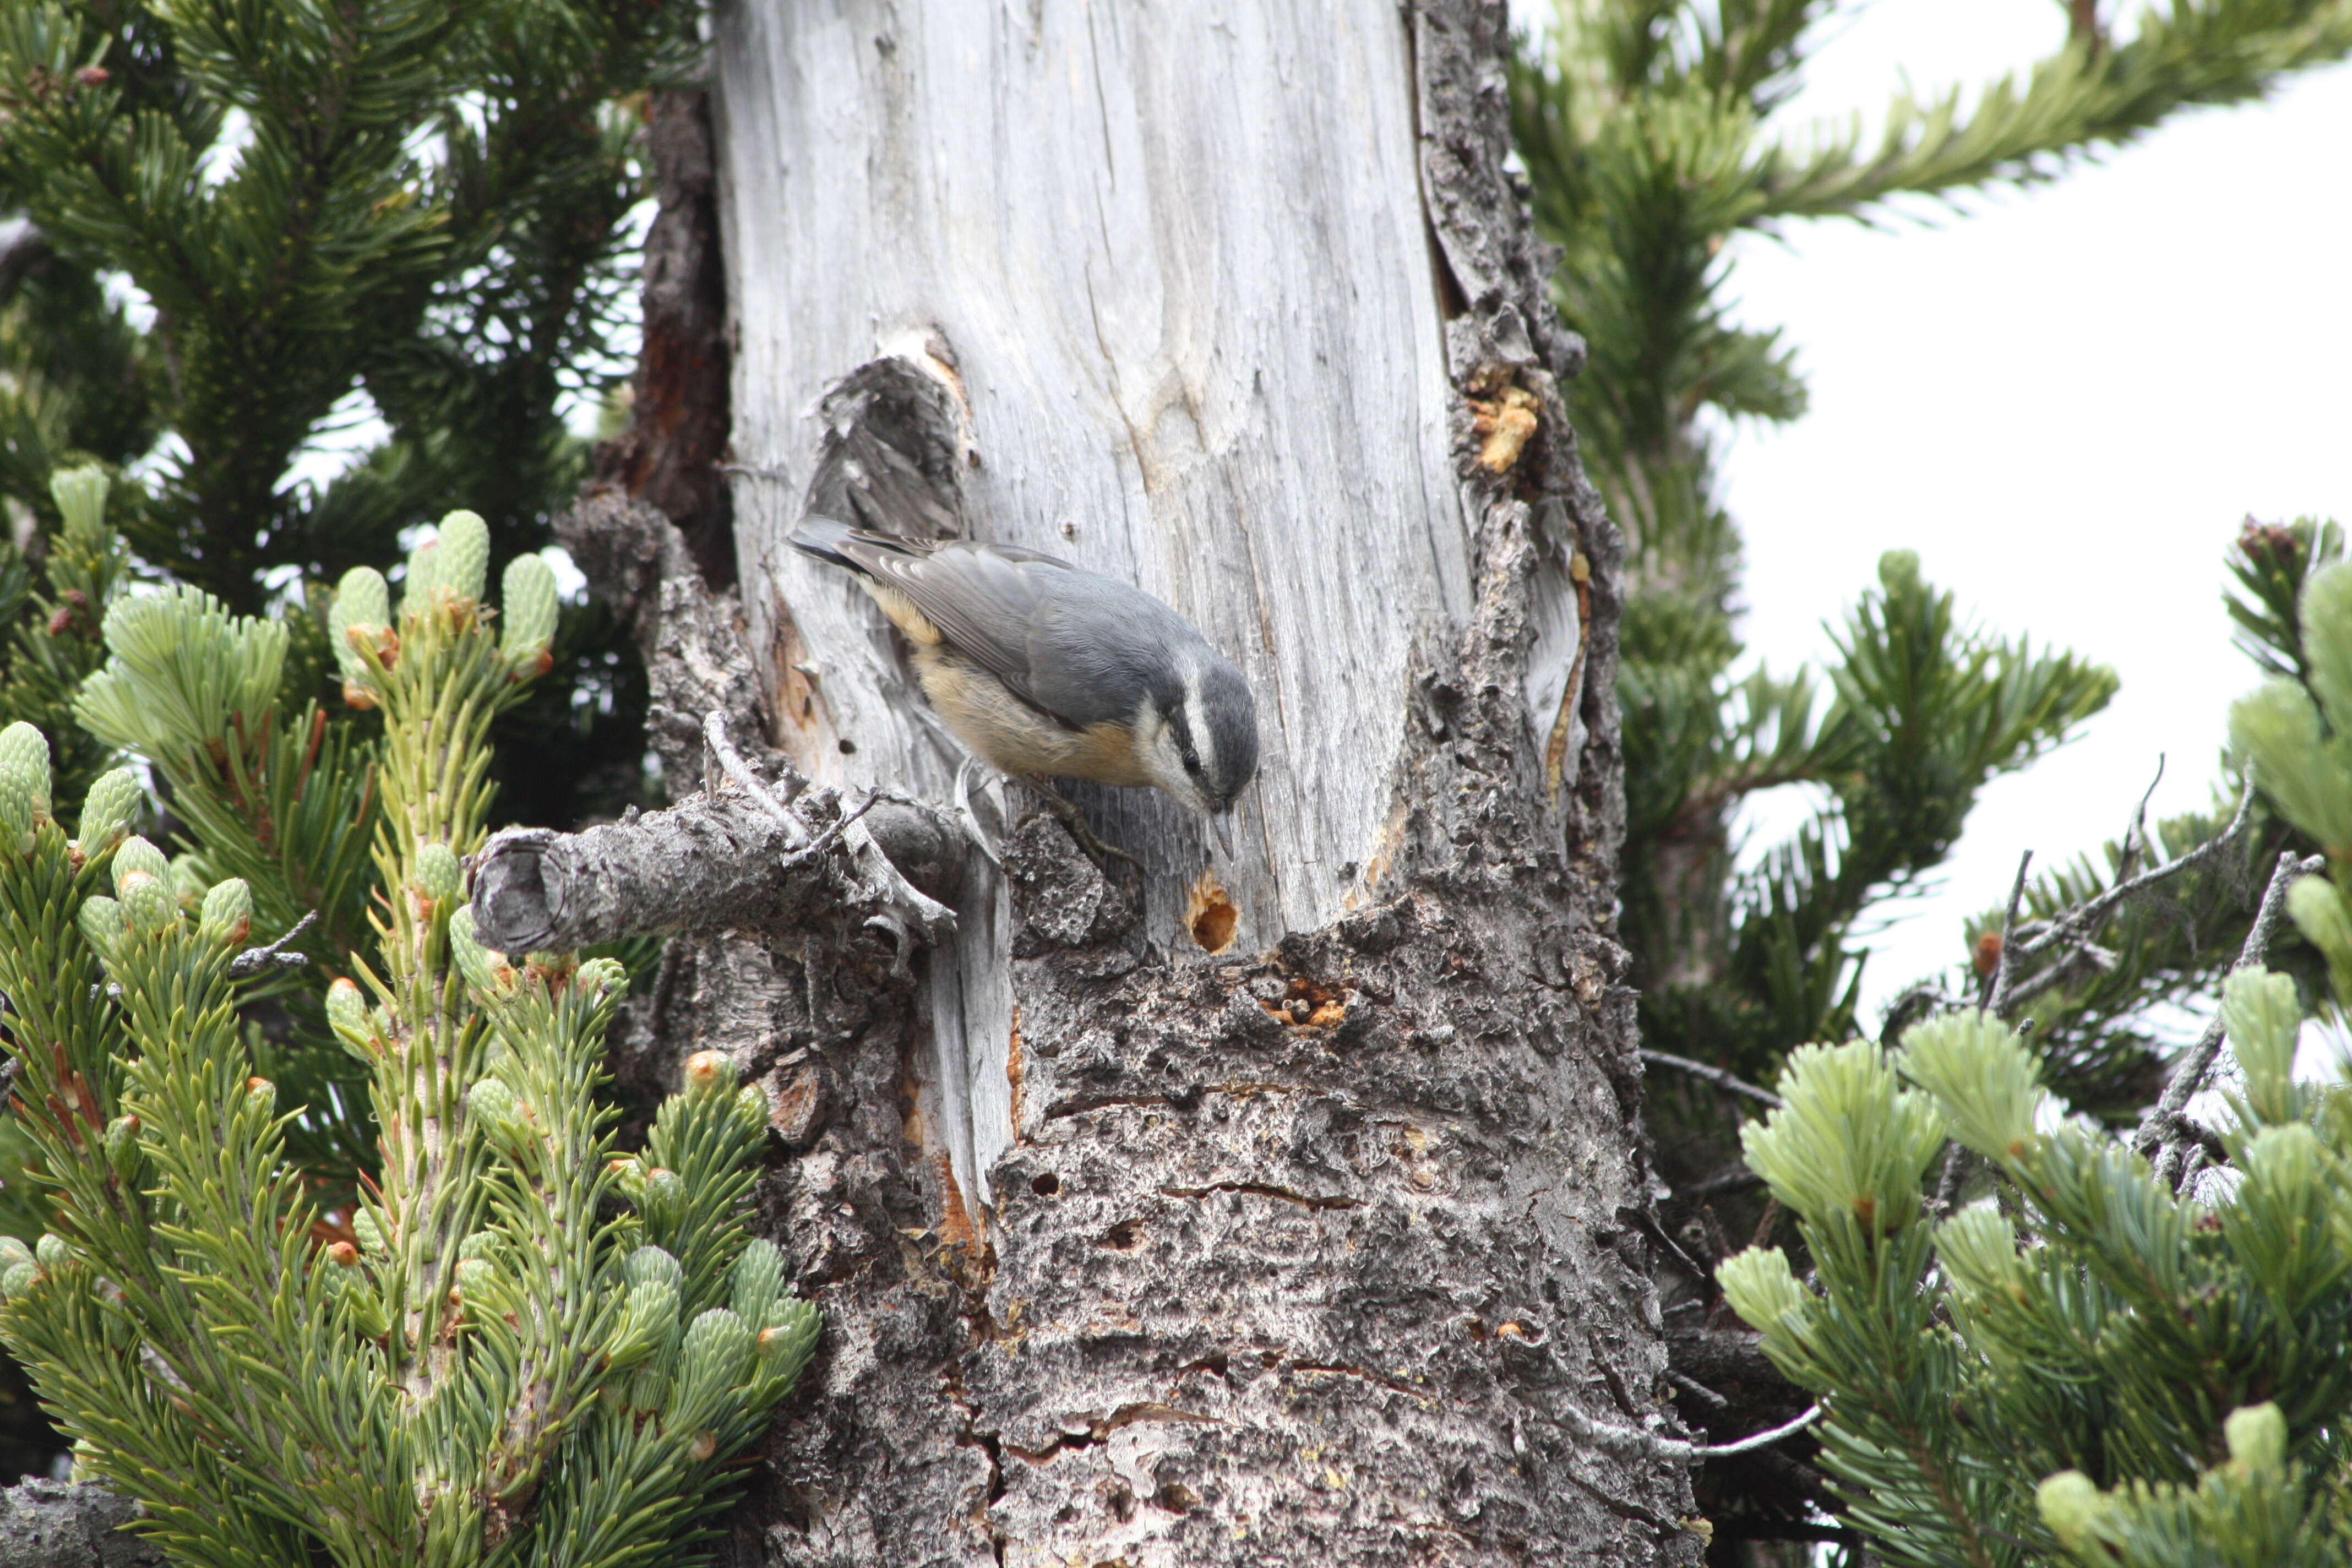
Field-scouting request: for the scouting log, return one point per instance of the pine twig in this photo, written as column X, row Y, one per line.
column 2164, row 1134
column 1630, row 1439
column 2086, row 917
column 1716, row 1075
column 254, row 960
column 731, row 761
column 1998, row 981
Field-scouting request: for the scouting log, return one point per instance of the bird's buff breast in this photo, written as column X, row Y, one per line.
column 1014, row 737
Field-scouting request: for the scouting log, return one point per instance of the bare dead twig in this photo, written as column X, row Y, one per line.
column 2164, row 1134
column 254, row 960
column 1716, row 1075
column 731, row 761
column 2086, row 955
column 2136, row 834
column 830, row 837
column 2086, row 917
column 1624, row 1439
column 1998, row 981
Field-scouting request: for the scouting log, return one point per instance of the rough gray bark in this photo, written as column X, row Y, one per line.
column 1326, row 1245
column 50, row 1524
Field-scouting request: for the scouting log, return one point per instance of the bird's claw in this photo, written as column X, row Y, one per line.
column 1072, row 819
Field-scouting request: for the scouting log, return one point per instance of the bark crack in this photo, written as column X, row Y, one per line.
column 1265, row 1190
column 1143, row 1411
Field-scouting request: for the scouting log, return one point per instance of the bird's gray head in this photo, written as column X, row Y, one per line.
column 1199, row 740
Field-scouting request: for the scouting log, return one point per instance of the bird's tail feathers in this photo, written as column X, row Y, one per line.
column 823, row 538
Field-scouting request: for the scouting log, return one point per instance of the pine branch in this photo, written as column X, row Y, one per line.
column 2164, row 1136
column 2201, row 52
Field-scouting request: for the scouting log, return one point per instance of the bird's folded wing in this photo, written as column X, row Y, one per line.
column 983, row 601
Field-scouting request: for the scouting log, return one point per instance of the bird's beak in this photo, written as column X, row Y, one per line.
column 1223, row 824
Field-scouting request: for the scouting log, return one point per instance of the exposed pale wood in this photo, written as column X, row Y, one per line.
column 1199, row 349
column 1201, row 352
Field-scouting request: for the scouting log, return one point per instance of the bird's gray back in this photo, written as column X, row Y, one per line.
column 1085, row 647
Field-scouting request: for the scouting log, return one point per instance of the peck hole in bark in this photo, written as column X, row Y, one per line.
column 1209, row 915
column 1047, row 1185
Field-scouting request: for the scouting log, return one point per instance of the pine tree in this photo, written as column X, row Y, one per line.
column 2131, row 1349
column 1653, row 132
column 408, row 208
column 518, row 1344
column 1649, row 129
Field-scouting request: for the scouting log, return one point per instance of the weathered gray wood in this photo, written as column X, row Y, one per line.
column 1327, row 1249
column 1199, row 349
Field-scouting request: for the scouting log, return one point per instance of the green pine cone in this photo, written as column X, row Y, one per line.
column 147, row 902
column 227, row 913
column 601, row 975
column 17, row 1279
column 717, row 1352
column 651, row 1262
column 709, row 1074
column 2069, row 1505
column 757, row 1282
column 107, row 812
column 13, row 1251
column 528, row 602
column 347, row 1013
column 478, row 1278
column 2325, row 608
column 648, row 1325
column 629, row 1177
column 784, row 1346
column 2277, row 728
column 462, row 564
column 505, row 1119
column 2319, row 913
column 362, row 601
column 123, row 1148
column 52, row 1251
column 25, row 754
column 486, row 969
column 418, row 585
column 665, row 1198
column 80, row 495
column 439, row 874
column 139, row 856
column 103, row 925
column 16, row 809
column 2256, row 1435
column 1761, row 1288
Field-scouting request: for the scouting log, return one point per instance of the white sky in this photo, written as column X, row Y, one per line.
column 2065, row 402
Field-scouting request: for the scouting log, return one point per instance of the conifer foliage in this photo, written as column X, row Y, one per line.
column 231, row 231
column 524, row 1346
column 1656, row 134
column 2107, row 1359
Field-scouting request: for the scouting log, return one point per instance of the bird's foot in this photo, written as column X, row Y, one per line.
column 1100, row 853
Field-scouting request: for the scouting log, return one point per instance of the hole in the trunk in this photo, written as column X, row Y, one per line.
column 1124, row 1236
column 1047, row 1185
column 1209, row 914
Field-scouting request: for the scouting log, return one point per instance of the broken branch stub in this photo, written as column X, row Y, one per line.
column 711, row 863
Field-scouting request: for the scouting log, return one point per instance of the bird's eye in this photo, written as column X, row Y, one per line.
column 1191, row 761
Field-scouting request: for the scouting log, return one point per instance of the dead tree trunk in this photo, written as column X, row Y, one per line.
column 1294, row 1212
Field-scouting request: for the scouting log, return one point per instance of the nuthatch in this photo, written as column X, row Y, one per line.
column 1048, row 670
